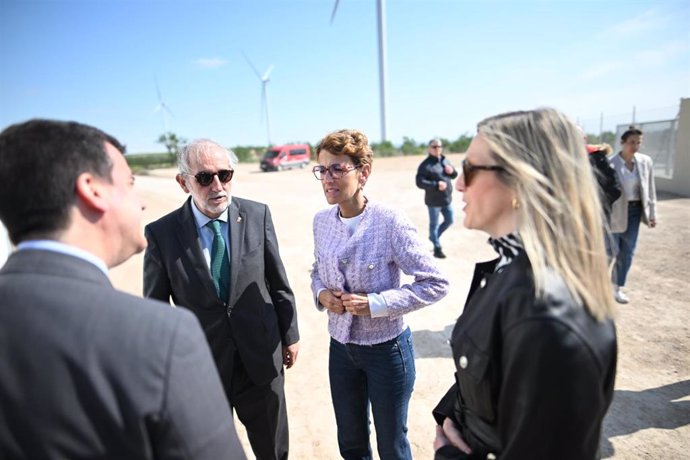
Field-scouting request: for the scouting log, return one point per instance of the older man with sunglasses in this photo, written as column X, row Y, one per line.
column 218, row 256
column 434, row 175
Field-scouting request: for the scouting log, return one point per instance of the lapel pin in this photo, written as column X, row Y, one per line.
column 239, row 219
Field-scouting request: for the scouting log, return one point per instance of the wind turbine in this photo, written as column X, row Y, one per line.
column 265, row 78
column 162, row 107
column 381, row 20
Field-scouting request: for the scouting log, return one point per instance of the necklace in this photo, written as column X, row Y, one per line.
column 340, row 210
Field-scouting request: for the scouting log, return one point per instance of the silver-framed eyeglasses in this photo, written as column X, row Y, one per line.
column 336, row 171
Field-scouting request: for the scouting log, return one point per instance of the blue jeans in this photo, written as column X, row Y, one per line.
column 436, row 230
column 381, row 375
column 624, row 243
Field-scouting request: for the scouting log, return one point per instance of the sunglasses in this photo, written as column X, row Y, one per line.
column 204, row 178
column 336, row 171
column 469, row 170
column 436, row 146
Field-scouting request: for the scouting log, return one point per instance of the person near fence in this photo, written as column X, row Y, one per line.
column 607, row 179
column 361, row 249
column 535, row 346
column 636, row 204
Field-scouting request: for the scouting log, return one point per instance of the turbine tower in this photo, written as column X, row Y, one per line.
column 265, row 78
column 381, row 21
column 162, row 107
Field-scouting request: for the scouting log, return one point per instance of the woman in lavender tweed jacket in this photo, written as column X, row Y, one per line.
column 371, row 260
column 361, row 248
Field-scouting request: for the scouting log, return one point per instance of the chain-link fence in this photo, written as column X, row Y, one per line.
column 659, row 136
column 599, row 124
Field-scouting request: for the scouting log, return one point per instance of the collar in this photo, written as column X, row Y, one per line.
column 508, row 247
column 202, row 219
column 62, row 248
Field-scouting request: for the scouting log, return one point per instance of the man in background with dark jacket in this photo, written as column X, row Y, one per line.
column 434, row 175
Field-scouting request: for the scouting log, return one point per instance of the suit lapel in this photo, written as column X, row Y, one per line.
column 190, row 242
column 237, row 222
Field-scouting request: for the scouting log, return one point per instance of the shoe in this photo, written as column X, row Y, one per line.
column 439, row 253
column 620, row 296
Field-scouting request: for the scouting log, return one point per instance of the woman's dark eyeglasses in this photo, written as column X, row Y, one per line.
column 204, row 178
column 336, row 171
column 469, row 170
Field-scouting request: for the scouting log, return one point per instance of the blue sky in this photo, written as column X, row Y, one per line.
column 450, row 64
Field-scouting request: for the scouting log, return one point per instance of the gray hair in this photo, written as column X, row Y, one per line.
column 196, row 148
column 434, row 140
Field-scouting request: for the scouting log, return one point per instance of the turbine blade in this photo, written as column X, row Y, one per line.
column 158, row 90
column 167, row 109
column 267, row 73
column 251, row 65
column 335, row 9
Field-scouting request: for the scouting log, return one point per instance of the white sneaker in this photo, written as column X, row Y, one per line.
column 620, row 296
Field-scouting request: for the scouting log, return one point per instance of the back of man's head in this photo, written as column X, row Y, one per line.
column 40, row 162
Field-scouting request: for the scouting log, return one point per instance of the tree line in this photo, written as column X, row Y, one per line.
column 253, row 153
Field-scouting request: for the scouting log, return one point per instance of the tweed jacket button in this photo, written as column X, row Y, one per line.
column 463, row 362
column 344, row 261
column 371, row 266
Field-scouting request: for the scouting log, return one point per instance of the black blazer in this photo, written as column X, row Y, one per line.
column 90, row 372
column 534, row 377
column 259, row 318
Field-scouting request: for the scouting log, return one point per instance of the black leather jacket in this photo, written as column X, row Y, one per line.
column 607, row 180
column 534, row 377
column 429, row 173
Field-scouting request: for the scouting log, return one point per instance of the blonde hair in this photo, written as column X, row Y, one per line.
column 559, row 212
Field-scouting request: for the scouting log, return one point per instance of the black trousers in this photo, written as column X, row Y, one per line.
column 261, row 409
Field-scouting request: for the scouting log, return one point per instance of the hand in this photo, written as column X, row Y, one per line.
column 448, row 169
column 331, row 301
column 452, row 434
column 442, row 185
column 652, row 223
column 440, row 439
column 290, row 354
column 356, row 304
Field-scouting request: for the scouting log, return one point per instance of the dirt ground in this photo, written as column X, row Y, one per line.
column 650, row 414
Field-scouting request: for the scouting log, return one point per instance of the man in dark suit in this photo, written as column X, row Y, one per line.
column 218, row 256
column 87, row 371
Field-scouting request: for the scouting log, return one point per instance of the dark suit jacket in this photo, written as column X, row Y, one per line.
column 259, row 317
column 90, row 372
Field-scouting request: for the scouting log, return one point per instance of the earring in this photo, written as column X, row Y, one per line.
column 516, row 204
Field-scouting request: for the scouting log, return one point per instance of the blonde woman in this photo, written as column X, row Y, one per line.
column 535, row 346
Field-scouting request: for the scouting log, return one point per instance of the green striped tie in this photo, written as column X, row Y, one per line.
column 220, row 264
